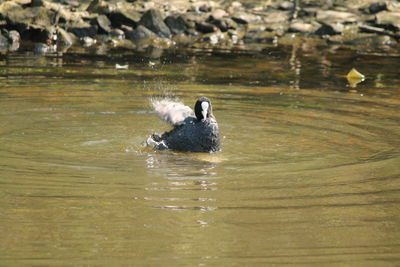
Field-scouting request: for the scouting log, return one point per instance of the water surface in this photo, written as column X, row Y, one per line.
column 308, row 175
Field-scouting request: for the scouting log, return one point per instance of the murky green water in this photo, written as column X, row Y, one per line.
column 309, row 172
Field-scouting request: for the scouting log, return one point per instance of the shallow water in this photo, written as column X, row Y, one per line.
column 308, row 175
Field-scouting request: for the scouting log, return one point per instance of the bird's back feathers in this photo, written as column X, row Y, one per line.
column 172, row 112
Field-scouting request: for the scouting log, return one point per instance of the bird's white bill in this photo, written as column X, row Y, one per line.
column 204, row 109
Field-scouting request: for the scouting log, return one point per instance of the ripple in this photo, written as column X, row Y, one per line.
column 95, row 142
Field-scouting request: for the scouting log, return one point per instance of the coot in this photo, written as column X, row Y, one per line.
column 193, row 131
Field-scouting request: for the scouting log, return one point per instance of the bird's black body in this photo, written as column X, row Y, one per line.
column 195, row 134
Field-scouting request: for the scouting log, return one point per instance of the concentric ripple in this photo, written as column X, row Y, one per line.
column 305, row 177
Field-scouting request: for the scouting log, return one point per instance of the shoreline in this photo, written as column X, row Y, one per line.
column 55, row 26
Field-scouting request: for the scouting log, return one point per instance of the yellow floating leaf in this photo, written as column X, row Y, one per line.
column 355, row 75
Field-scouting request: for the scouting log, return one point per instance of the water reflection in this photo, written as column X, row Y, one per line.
column 182, row 172
column 295, row 66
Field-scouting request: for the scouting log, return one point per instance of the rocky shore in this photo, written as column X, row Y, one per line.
column 56, row 25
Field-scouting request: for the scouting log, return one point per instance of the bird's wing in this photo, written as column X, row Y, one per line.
column 172, row 112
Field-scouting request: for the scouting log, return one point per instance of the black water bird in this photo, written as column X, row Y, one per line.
column 193, row 131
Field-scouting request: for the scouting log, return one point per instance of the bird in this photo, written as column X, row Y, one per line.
column 194, row 131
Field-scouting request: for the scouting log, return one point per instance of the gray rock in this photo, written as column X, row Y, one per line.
column 103, row 23
column 192, row 17
column 22, row 17
column 245, row 18
column 37, row 3
column 153, row 20
column 42, row 16
column 274, row 17
column 326, row 29
column 83, row 29
column 308, row 12
column 239, row 20
column 224, row 24
column 3, row 41
column 218, row 14
column 183, row 40
column 87, row 41
column 117, row 33
column 13, row 36
column 213, row 38
column 277, row 21
column 202, row 6
column 205, row 27
column 176, row 24
column 140, row 33
column 14, row 46
column 99, row 6
column 286, row 5
column 72, row 3
column 124, row 17
column 64, row 38
column 12, row 11
column 303, row 27
column 377, row 7
column 332, row 16
column 387, row 18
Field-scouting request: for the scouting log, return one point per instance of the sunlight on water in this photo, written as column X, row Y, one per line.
column 308, row 173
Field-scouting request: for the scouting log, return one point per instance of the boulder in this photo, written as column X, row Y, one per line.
column 117, row 34
column 218, row 14
column 388, row 19
column 274, row 17
column 103, row 23
column 83, row 29
column 140, row 33
column 65, row 15
column 176, row 24
column 277, row 21
column 286, row 5
column 99, row 6
column 224, row 24
column 14, row 13
column 23, row 2
column 121, row 17
column 64, row 38
column 242, row 17
column 13, row 36
column 37, row 3
column 153, row 20
column 43, row 16
column 332, row 16
column 87, row 41
column 303, row 27
column 3, row 41
column 203, row 6
column 71, row 3
column 331, row 29
column 182, row 40
column 205, row 27
column 213, row 38
column 377, row 7
column 34, row 24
